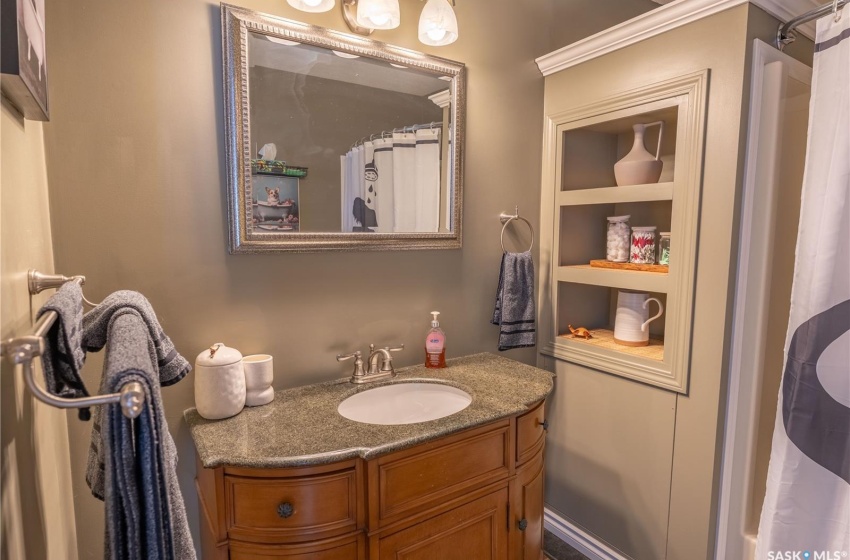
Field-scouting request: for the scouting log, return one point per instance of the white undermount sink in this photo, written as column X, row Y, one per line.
column 404, row 403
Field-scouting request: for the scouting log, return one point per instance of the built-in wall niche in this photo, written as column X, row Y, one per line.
column 584, row 228
column 591, row 151
column 579, row 194
column 595, row 308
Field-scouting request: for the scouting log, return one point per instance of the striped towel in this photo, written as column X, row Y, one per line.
column 515, row 310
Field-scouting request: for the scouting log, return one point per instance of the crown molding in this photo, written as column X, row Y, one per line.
column 441, row 98
column 660, row 20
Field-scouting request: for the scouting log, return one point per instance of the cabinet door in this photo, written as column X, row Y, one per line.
column 527, row 528
column 475, row 530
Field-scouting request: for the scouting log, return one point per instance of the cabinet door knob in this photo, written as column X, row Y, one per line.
column 285, row 510
column 545, row 425
column 523, row 524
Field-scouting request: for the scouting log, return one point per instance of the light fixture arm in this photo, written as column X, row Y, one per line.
column 349, row 14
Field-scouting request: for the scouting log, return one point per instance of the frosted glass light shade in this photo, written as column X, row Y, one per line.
column 311, row 5
column 437, row 24
column 378, row 14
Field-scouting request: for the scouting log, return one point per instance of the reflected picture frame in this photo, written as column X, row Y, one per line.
column 243, row 237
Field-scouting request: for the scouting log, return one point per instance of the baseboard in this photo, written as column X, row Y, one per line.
column 577, row 538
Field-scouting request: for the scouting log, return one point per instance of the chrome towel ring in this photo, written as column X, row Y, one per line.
column 506, row 219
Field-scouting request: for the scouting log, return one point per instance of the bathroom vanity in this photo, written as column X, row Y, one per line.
column 294, row 479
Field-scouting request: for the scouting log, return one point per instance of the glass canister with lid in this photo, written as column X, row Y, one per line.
column 643, row 245
column 664, row 248
column 618, row 239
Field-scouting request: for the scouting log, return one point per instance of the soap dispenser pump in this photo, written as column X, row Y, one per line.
column 435, row 344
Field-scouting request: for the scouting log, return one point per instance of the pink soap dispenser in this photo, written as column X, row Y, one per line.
column 435, row 345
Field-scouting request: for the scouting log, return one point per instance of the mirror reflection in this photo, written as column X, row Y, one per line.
column 346, row 144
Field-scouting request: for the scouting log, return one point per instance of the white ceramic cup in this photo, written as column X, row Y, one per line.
column 259, row 374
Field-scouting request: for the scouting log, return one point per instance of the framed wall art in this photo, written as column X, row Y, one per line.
column 23, row 57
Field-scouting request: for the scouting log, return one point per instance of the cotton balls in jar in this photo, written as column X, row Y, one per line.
column 618, row 239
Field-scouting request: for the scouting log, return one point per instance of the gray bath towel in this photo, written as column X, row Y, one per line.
column 515, row 307
column 145, row 513
column 172, row 366
column 63, row 356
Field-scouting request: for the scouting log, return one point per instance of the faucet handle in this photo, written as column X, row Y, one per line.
column 398, row 348
column 342, row 357
column 358, row 363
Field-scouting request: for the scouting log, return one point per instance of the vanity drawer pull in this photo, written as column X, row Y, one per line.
column 544, row 424
column 523, row 524
column 285, row 510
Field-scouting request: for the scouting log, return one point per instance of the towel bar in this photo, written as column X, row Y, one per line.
column 506, row 218
column 22, row 350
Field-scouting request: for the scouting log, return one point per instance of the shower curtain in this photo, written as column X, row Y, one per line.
column 392, row 184
column 806, row 512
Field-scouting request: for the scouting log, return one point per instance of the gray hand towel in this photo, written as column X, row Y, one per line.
column 515, row 307
column 171, row 365
column 63, row 356
column 145, row 513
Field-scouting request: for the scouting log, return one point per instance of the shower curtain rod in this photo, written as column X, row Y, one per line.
column 411, row 128
column 785, row 34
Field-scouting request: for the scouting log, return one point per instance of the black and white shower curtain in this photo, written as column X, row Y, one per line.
column 392, row 184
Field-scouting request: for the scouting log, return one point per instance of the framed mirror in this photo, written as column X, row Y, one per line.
column 335, row 142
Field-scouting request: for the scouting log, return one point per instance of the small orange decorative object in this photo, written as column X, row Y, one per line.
column 580, row 332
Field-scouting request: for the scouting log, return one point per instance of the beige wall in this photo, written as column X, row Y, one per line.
column 576, row 19
column 636, row 465
column 135, row 157
column 37, row 509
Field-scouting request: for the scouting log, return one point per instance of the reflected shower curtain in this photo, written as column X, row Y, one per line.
column 392, row 184
column 806, row 510
column 383, row 184
column 404, row 186
column 427, row 155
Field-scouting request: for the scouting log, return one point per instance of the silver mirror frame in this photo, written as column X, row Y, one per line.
column 236, row 23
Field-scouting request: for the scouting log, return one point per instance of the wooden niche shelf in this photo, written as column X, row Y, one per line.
column 604, row 338
column 655, row 268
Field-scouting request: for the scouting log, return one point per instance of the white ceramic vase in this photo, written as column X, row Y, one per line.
column 631, row 324
column 640, row 167
column 219, row 382
column 259, row 374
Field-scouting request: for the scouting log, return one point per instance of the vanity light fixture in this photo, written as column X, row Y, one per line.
column 378, row 14
column 438, row 24
column 312, row 5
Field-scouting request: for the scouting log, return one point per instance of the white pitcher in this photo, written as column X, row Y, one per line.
column 640, row 167
column 631, row 324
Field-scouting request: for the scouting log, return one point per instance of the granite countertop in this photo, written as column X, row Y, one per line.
column 302, row 427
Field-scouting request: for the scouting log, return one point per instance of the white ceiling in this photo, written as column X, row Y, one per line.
column 322, row 63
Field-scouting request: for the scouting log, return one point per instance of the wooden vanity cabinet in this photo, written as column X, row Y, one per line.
column 476, row 495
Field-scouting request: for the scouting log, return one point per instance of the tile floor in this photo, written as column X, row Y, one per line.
column 556, row 549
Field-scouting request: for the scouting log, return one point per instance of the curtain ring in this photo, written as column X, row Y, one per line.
column 836, row 10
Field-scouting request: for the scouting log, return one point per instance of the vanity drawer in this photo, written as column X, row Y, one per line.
column 408, row 482
column 529, row 433
column 349, row 547
column 292, row 508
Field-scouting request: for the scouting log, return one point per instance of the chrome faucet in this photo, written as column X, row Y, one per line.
column 384, row 371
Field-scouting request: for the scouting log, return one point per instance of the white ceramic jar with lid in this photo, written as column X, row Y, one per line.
column 219, row 382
